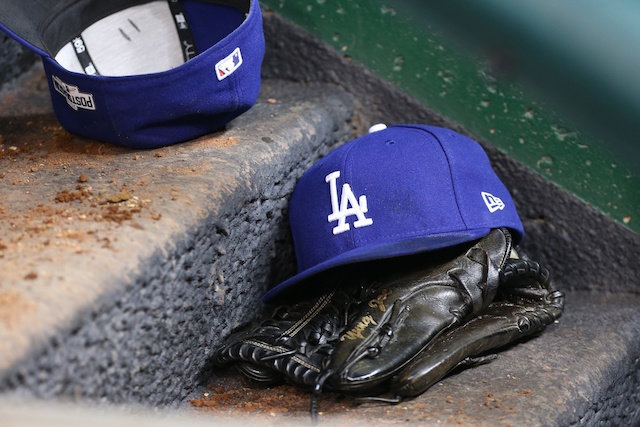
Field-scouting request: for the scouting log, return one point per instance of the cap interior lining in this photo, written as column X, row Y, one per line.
column 51, row 26
column 145, row 38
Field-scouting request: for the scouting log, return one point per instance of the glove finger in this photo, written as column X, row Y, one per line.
column 412, row 309
column 502, row 323
column 259, row 373
column 293, row 343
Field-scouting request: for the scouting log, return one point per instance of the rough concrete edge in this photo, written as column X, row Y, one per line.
column 52, row 368
column 596, row 349
column 583, row 248
column 618, row 403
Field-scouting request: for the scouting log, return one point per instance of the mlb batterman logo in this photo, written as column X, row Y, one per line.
column 348, row 206
column 228, row 65
column 72, row 94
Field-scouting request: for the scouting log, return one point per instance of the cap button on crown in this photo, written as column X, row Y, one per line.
column 377, row 127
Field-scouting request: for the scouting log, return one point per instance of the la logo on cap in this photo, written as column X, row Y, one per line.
column 348, row 206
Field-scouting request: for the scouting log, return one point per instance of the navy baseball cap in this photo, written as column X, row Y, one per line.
column 141, row 73
column 402, row 190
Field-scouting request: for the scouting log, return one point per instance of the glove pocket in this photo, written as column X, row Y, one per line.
column 377, row 344
column 475, row 342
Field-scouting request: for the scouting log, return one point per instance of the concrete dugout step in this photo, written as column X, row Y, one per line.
column 581, row 371
column 122, row 270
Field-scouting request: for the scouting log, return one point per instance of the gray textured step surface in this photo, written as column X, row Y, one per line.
column 581, row 371
column 127, row 268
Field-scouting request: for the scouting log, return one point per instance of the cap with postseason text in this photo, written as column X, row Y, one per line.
column 143, row 73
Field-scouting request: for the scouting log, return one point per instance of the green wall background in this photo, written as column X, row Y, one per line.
column 463, row 87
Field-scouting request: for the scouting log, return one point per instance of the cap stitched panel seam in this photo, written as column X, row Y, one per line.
column 453, row 184
column 447, row 165
column 112, row 123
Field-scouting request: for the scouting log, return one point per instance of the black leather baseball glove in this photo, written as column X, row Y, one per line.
column 400, row 330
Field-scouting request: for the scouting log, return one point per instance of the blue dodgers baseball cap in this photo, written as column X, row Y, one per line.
column 398, row 191
column 141, row 73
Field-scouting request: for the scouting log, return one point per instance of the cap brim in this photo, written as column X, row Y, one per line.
column 374, row 252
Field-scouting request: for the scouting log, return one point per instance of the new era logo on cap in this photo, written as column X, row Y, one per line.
column 493, row 203
column 396, row 191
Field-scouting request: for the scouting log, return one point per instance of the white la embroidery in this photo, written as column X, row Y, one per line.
column 493, row 203
column 340, row 213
